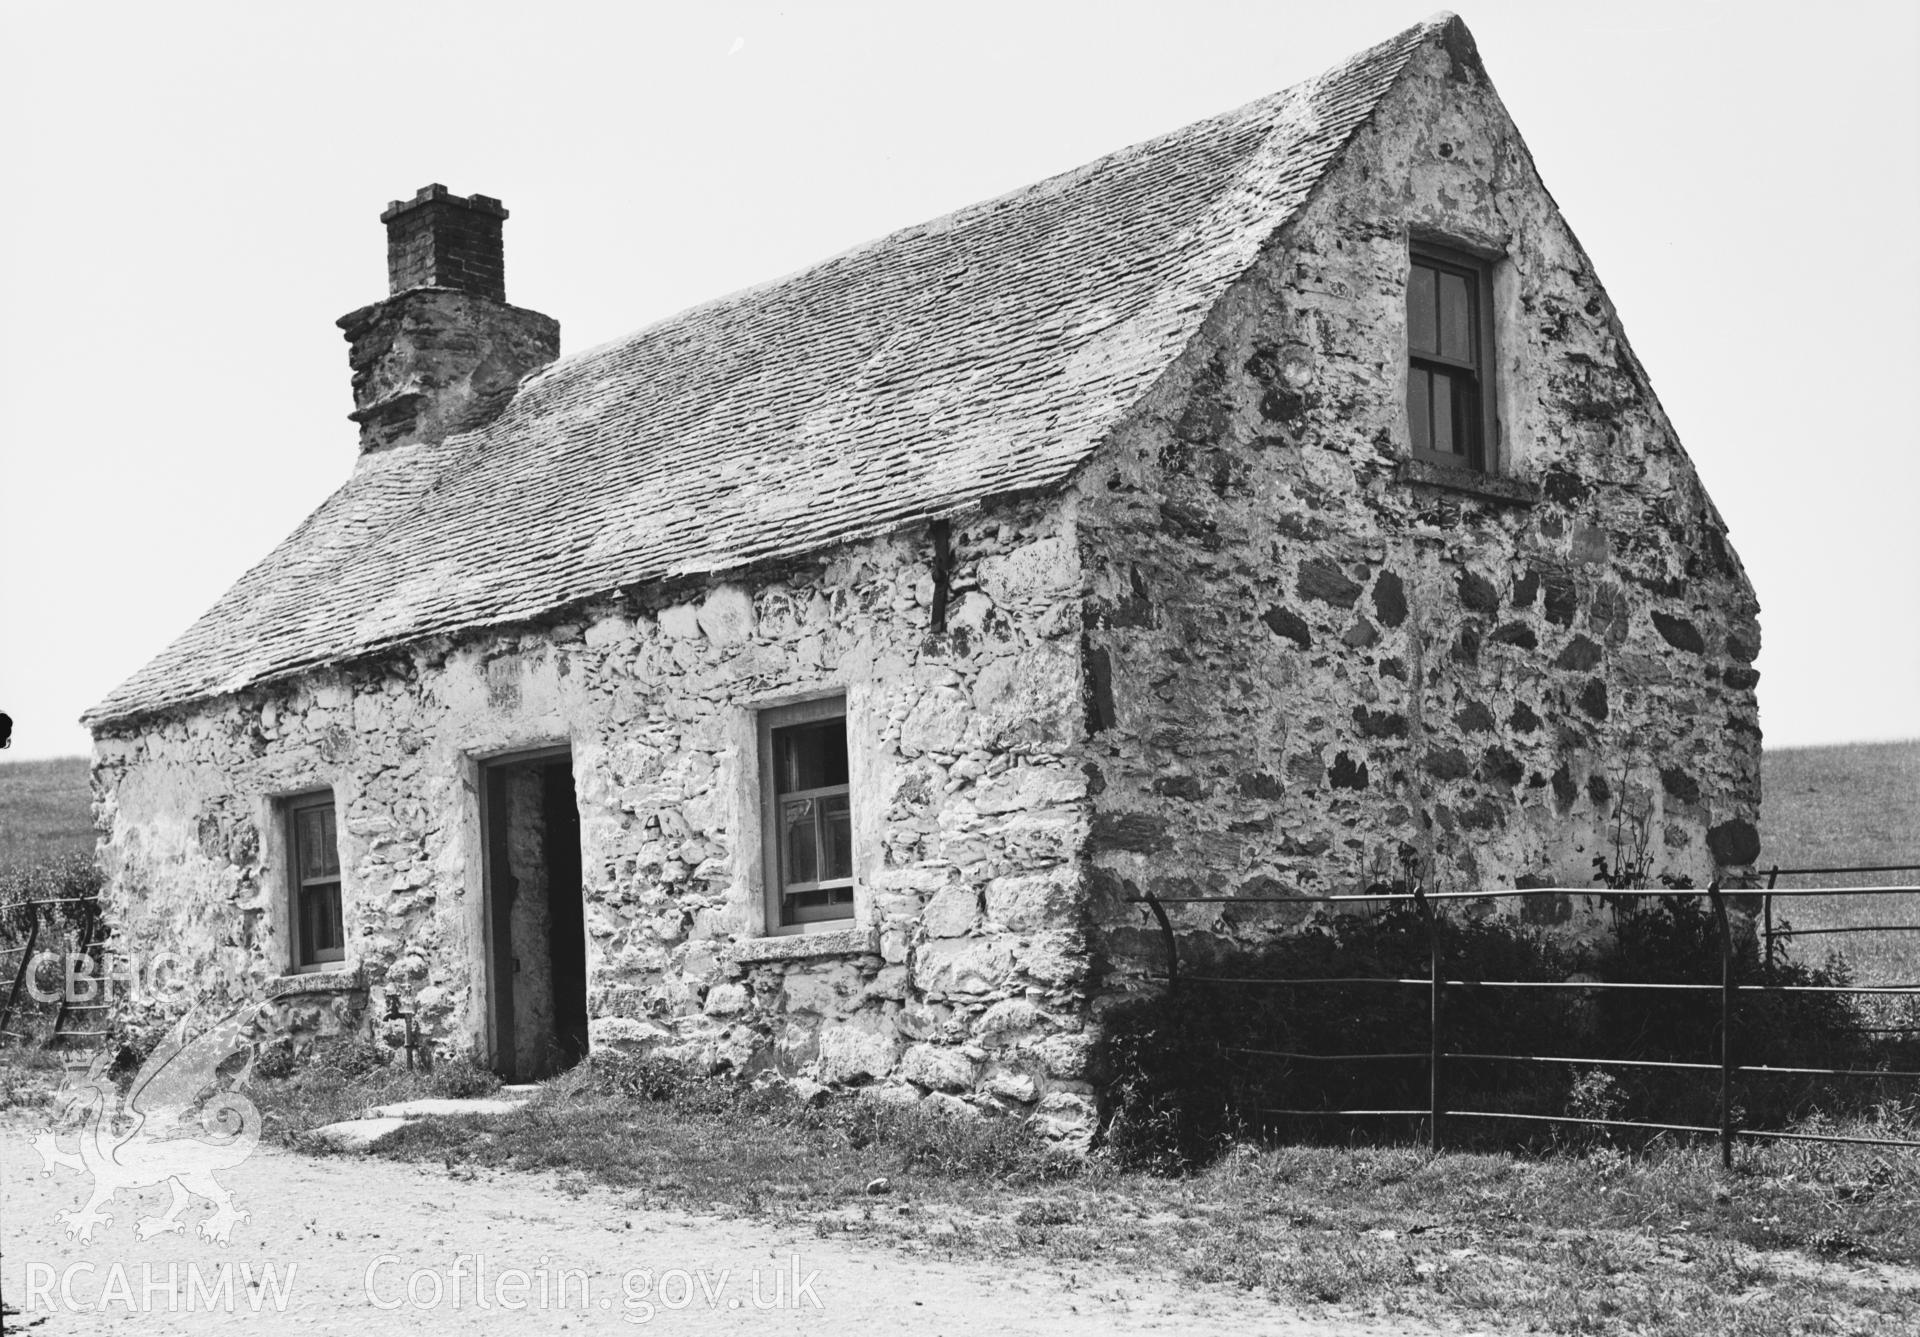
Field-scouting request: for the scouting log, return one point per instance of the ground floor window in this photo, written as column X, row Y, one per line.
column 318, row 934
column 808, row 813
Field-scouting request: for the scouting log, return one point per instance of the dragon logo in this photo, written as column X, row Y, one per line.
column 177, row 1126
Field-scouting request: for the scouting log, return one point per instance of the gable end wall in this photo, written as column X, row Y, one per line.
column 1305, row 666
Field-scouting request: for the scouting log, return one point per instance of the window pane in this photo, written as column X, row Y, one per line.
column 1418, row 421
column 783, row 761
column 1422, row 323
column 798, row 842
column 321, row 933
column 317, row 855
column 306, row 827
column 836, row 837
column 1456, row 317
column 811, row 756
column 1466, row 419
column 329, row 843
column 1443, row 414
column 822, row 903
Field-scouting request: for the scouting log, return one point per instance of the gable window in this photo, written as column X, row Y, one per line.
column 1450, row 402
column 807, row 837
column 314, row 882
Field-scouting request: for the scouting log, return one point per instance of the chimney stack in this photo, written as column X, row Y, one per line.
column 438, row 240
column 444, row 352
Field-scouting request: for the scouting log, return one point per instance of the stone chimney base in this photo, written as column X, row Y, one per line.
column 431, row 362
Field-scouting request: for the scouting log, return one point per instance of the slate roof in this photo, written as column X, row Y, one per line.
column 983, row 353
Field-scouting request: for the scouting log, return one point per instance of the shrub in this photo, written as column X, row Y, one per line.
column 1676, row 940
column 1174, row 1101
column 64, row 877
column 1189, row 1071
column 73, row 882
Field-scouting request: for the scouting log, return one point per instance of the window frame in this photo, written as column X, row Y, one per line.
column 1485, row 458
column 327, row 958
column 768, row 722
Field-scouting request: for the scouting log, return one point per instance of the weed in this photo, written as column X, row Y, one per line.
column 941, row 1145
column 1041, row 1213
column 347, row 1056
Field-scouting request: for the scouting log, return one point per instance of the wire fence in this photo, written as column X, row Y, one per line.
column 1444, row 983
column 63, row 927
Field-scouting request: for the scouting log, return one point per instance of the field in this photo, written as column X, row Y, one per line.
column 45, row 810
column 1832, row 805
column 1827, row 807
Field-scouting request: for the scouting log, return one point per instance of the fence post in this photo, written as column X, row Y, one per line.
column 1726, row 1024
column 1766, row 905
column 1433, row 1016
column 1166, row 932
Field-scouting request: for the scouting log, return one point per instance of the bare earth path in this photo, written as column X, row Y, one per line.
column 374, row 1248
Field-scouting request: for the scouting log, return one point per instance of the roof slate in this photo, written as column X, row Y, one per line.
column 980, row 354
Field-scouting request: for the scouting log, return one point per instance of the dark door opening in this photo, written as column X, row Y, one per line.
column 536, row 923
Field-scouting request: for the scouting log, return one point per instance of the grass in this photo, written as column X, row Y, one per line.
column 46, row 810
column 1826, row 805
column 1846, row 806
column 1799, row 1238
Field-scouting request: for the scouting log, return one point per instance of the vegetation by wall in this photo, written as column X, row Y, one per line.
column 1186, row 1072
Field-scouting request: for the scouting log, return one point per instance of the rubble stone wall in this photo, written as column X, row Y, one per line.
column 964, row 973
column 1304, row 661
column 430, row 362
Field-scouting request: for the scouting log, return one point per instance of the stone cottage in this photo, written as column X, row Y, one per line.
column 812, row 680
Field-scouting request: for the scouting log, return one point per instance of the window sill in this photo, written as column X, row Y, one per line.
column 339, row 979
column 1471, row 482
column 806, row 946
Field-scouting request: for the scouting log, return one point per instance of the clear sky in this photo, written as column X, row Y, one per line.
column 192, row 194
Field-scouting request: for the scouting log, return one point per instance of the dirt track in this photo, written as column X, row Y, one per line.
column 354, row 1232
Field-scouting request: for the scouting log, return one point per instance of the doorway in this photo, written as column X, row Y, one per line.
column 536, row 923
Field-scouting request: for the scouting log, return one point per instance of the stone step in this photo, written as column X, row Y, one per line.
column 445, row 1107
column 357, row 1134
column 360, row 1134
